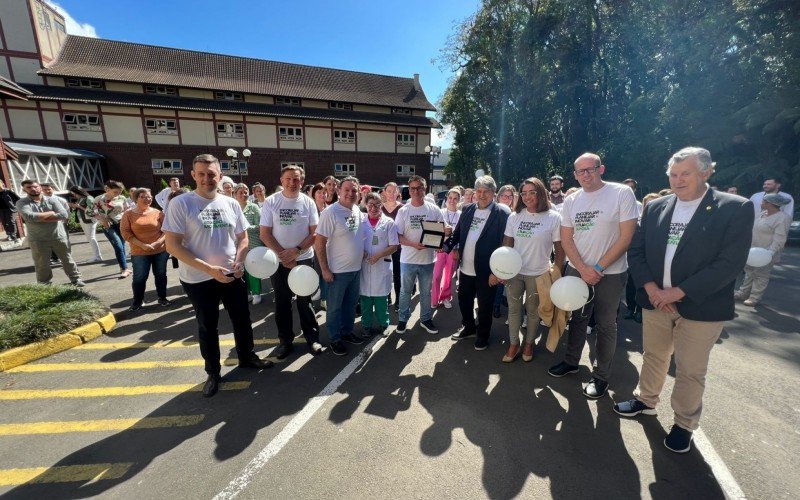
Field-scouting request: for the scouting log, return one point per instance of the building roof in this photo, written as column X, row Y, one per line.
column 89, row 96
column 11, row 89
column 35, row 149
column 132, row 62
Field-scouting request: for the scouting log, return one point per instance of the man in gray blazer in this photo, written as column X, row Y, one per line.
column 685, row 257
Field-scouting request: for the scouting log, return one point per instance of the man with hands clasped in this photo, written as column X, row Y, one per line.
column 685, row 258
column 598, row 222
column 208, row 233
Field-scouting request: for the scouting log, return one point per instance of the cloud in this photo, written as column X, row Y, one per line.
column 73, row 26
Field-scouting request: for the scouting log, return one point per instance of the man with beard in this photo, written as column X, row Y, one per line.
column 772, row 185
column 556, row 195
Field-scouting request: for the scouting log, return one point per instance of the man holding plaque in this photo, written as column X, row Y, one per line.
column 417, row 252
column 479, row 233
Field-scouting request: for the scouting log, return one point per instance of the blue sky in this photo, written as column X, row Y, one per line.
column 385, row 37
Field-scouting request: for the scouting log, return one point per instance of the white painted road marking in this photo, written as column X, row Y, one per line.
column 721, row 472
column 276, row 445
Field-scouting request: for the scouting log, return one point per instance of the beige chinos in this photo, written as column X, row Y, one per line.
column 515, row 287
column 690, row 341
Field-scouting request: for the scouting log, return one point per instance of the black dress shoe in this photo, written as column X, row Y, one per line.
column 283, row 350
column 256, row 363
column 211, row 386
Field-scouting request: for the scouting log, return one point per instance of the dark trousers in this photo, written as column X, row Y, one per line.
column 9, row 220
column 604, row 307
column 205, row 297
column 396, row 276
column 470, row 287
column 283, row 308
column 630, row 295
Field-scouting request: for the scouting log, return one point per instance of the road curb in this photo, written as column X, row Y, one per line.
column 81, row 335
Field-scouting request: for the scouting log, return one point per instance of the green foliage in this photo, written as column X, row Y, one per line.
column 538, row 82
column 29, row 313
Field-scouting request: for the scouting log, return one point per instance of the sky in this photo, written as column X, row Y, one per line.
column 397, row 38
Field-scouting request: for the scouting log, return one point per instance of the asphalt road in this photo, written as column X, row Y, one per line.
column 409, row 416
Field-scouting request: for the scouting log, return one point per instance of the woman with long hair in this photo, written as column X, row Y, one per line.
column 107, row 210
column 331, row 185
column 318, row 194
column 259, row 195
column 533, row 230
column 141, row 227
column 81, row 207
column 445, row 264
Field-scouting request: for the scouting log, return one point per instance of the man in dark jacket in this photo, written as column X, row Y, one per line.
column 685, row 257
column 8, row 211
column 479, row 232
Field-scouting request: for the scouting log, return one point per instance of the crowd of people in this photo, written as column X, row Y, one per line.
column 677, row 254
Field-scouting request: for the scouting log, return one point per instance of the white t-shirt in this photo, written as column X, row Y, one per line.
column 342, row 227
column 595, row 218
column 451, row 218
column 209, row 229
column 409, row 224
column 290, row 219
column 534, row 235
column 473, row 233
column 162, row 198
column 683, row 213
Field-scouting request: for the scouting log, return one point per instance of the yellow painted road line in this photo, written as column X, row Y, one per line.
column 113, row 424
column 63, row 473
column 163, row 344
column 114, row 365
column 101, row 392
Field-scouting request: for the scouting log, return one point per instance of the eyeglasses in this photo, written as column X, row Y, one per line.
column 587, row 171
column 420, row 188
column 373, row 205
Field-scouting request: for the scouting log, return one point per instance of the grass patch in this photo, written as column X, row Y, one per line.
column 29, row 313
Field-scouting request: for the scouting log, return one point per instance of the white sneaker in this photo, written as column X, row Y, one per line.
column 448, row 304
column 256, row 299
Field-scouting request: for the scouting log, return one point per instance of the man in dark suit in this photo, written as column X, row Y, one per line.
column 685, row 257
column 479, row 232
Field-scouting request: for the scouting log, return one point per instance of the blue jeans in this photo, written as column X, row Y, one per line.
column 115, row 238
column 343, row 295
column 141, row 270
column 410, row 273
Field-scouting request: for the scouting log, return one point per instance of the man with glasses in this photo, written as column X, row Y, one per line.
column 416, row 260
column 207, row 232
column 598, row 222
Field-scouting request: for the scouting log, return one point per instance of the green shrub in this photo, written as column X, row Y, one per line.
column 29, row 313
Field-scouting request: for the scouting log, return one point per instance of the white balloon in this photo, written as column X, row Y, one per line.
column 505, row 263
column 479, row 173
column 569, row 293
column 303, row 280
column 759, row 257
column 261, row 262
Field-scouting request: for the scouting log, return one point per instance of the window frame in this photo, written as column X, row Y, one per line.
column 344, row 140
column 156, row 130
column 162, row 171
column 339, row 169
column 168, row 90
column 410, row 139
column 84, row 122
column 237, row 131
column 402, row 173
column 294, row 136
column 223, row 95
column 292, row 101
column 344, row 106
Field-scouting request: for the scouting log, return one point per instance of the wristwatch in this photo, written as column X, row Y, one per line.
column 599, row 268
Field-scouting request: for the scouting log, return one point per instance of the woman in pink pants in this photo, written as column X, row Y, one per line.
column 445, row 264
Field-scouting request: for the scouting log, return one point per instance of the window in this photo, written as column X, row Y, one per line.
column 161, row 126
column 235, row 130
column 405, row 170
column 167, row 167
column 340, row 105
column 44, row 18
column 225, row 166
column 84, row 83
column 344, row 136
column 344, row 169
column 160, row 89
column 406, row 140
column 228, row 96
column 300, row 164
column 290, row 133
column 60, row 27
column 76, row 121
column 401, row 111
column 287, row 101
